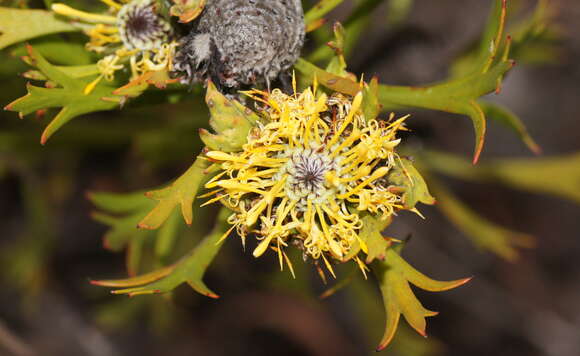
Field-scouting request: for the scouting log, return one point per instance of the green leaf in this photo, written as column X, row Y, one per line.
column 484, row 234
column 182, row 193
column 120, row 203
column 190, row 269
column 535, row 39
column 405, row 177
column 17, row 25
column 122, row 213
column 329, row 80
column 230, row 119
column 492, row 37
column 81, row 71
column 370, row 104
column 57, row 50
column 558, row 175
column 458, row 96
column 398, row 11
column 122, row 230
column 371, row 234
column 70, row 96
column 394, row 275
column 320, row 9
column 337, row 64
column 510, row 120
column 359, row 19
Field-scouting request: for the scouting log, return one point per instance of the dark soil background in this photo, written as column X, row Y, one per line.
column 526, row 308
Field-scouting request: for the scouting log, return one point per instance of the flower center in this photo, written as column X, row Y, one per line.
column 140, row 27
column 306, row 170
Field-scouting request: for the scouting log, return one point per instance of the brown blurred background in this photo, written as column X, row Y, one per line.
column 526, row 308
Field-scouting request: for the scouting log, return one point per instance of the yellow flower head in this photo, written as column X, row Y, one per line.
column 132, row 32
column 307, row 174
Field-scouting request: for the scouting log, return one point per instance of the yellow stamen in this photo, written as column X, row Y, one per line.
column 68, row 11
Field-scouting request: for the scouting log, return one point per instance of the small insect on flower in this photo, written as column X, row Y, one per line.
column 308, row 174
column 132, row 33
column 240, row 43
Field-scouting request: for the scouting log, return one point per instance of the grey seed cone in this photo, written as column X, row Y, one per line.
column 242, row 42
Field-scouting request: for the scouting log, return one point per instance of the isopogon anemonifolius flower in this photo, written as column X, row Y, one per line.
column 309, row 172
column 132, row 32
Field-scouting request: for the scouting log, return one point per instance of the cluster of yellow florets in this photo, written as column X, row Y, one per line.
column 306, row 174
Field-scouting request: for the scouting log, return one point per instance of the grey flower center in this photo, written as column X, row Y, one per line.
column 140, row 27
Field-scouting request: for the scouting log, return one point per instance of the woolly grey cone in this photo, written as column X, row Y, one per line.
column 242, row 42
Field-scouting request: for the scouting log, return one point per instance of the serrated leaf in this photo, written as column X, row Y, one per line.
column 190, row 269
column 484, row 234
column 406, row 177
column 69, row 96
column 230, row 119
column 394, row 275
column 17, row 25
column 181, row 193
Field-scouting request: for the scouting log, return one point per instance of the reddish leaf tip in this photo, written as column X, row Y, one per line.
column 44, row 138
column 381, row 347
column 96, row 283
column 463, row 281
column 89, row 195
column 476, row 157
column 536, row 149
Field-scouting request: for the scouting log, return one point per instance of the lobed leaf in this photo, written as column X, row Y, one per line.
column 69, row 96
column 190, row 269
column 181, row 193
column 405, row 177
column 394, row 275
column 122, row 213
column 371, row 234
column 230, row 119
